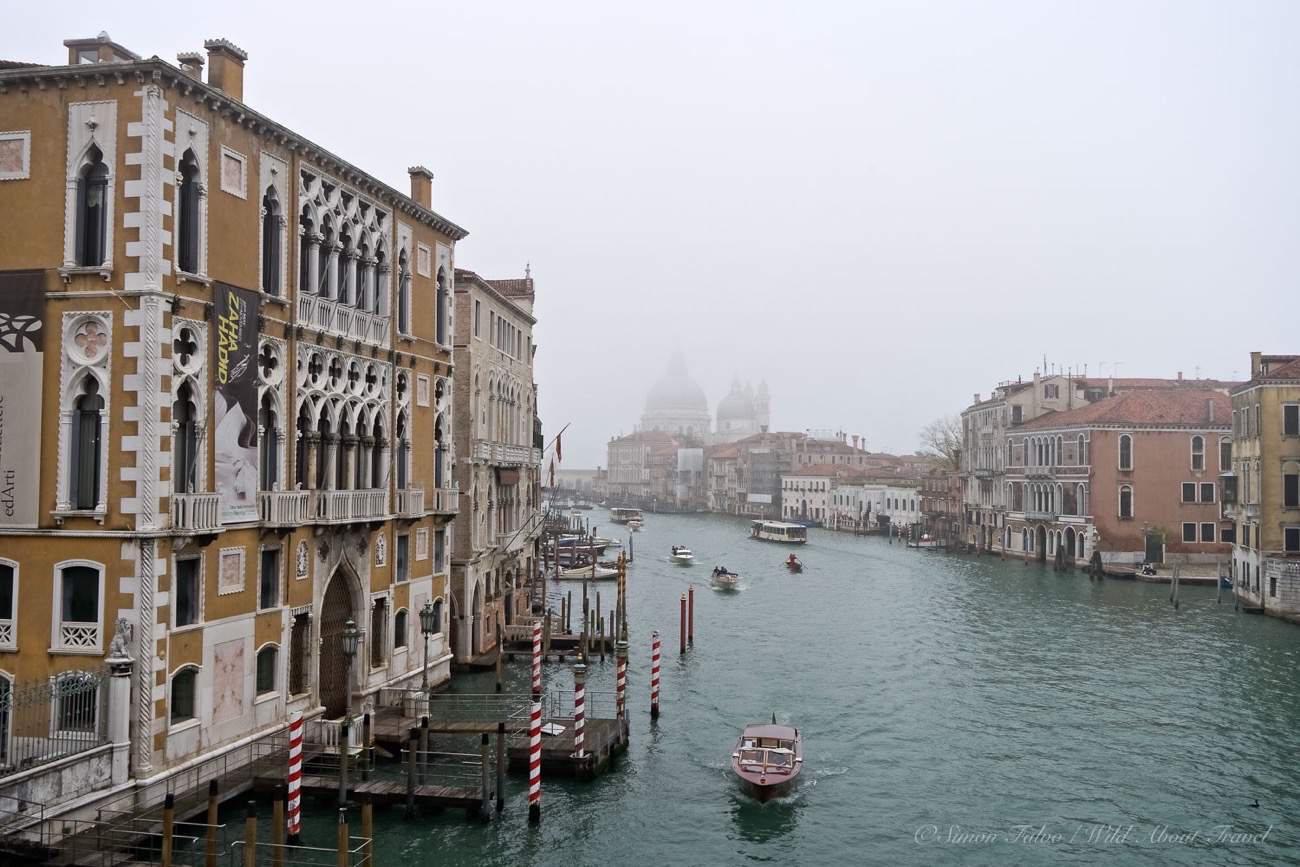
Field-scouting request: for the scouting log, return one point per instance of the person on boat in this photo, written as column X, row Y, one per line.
column 792, row 560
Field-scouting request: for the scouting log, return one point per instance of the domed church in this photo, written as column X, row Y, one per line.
column 676, row 404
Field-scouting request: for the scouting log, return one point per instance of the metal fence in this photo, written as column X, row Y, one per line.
column 44, row 720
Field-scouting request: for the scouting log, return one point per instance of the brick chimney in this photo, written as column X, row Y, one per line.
column 1209, row 409
column 191, row 64
column 226, row 67
column 421, row 186
column 1256, row 362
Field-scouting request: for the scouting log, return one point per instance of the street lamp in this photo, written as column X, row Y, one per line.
column 428, row 626
column 351, row 637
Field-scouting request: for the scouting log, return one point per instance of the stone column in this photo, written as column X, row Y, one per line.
column 313, row 262
column 329, row 454
column 120, row 710
column 381, row 290
column 332, row 276
column 364, row 457
column 311, row 442
column 349, row 458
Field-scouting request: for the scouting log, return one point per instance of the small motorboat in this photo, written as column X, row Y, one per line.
column 725, row 580
column 1225, row 582
column 794, row 564
column 767, row 759
column 682, row 556
column 634, row 525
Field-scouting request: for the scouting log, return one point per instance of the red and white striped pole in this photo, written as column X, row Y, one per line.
column 537, row 659
column 295, row 779
column 535, row 761
column 620, row 669
column 654, row 675
column 579, row 710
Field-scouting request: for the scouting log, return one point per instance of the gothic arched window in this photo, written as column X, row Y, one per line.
column 87, row 446
column 187, row 217
column 444, row 309
column 403, row 294
column 92, row 209
column 185, row 464
column 271, row 259
column 269, row 445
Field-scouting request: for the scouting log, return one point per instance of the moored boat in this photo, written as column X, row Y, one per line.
column 682, row 556
column 588, row 573
column 768, row 759
column 778, row 531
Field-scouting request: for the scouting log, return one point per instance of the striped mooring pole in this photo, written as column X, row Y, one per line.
column 620, row 669
column 535, row 761
column 295, row 779
column 654, row 675
column 579, row 710
column 537, row 660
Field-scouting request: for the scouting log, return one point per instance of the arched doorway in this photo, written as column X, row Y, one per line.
column 1041, row 543
column 334, row 679
column 476, row 612
column 1069, row 541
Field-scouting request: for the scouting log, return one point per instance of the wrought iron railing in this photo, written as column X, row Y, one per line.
column 45, row 720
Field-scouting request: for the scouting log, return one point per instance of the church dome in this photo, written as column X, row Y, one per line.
column 676, row 392
column 738, row 405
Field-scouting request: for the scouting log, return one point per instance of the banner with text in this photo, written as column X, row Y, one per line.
column 234, row 364
column 22, row 344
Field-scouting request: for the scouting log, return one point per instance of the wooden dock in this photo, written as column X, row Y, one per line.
column 385, row 792
column 605, row 739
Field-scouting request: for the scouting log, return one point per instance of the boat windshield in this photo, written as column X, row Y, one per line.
column 766, row 760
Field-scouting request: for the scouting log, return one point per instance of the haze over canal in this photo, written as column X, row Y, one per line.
column 935, row 693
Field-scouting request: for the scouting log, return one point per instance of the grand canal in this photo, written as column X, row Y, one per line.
column 955, row 710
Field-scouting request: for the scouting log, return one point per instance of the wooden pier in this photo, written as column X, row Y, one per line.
column 605, row 740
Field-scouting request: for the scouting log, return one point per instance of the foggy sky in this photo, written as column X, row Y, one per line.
column 879, row 207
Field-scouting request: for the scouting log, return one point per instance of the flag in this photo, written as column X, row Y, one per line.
column 559, row 453
column 552, row 483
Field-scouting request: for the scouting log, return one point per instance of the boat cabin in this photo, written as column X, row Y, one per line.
column 779, row 531
column 767, row 748
column 623, row 516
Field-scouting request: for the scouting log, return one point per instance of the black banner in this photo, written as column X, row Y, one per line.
column 22, row 344
column 234, row 366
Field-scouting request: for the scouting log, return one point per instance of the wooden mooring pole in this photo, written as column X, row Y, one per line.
column 690, row 615
column 501, row 766
column 168, row 825
column 423, row 762
column 682, row 629
column 344, row 857
column 368, row 829
column 343, row 761
column 501, row 649
column 484, row 793
column 412, row 748
column 654, row 675
column 250, row 834
column 214, row 817
column 277, row 828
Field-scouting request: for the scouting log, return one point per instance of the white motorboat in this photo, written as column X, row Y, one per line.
column 588, row 573
column 634, row 525
column 682, row 556
column 724, row 580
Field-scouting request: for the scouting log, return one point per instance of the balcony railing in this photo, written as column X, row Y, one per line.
column 445, row 501
column 344, row 506
column 289, row 508
column 196, row 512
column 410, row 502
column 351, row 323
column 78, row 636
column 1041, row 515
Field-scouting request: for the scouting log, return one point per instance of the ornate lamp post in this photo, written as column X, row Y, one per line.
column 428, row 626
column 351, row 638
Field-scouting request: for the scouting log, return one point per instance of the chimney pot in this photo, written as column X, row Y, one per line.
column 226, row 67
column 1256, row 362
column 1209, row 408
column 191, row 64
column 421, row 186
column 1180, row 376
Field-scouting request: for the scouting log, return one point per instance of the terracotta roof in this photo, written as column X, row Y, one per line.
column 517, row 286
column 1122, row 382
column 1180, row 406
column 17, row 64
column 724, row 452
column 648, row 437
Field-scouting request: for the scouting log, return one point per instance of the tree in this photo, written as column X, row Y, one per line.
column 941, row 439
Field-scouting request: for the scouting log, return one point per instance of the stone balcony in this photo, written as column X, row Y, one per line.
column 284, row 508
column 410, row 503
column 196, row 513
column 444, row 501
column 504, row 454
column 344, row 507
column 341, row 320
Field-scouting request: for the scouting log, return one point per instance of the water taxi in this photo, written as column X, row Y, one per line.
column 682, row 556
column 724, row 580
column 588, row 572
column 778, row 531
column 767, row 759
column 927, row 541
column 624, row 516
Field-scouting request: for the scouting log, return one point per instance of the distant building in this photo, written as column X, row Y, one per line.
column 1133, row 476
column 1262, row 486
column 743, row 412
column 676, row 404
column 941, row 504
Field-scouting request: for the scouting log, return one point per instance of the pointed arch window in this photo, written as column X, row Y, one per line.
column 380, row 306
column 272, row 243
column 444, row 309
column 347, row 261
column 324, row 256
column 403, row 294
column 187, row 217
column 185, row 461
column 92, row 210
column 403, row 453
column 301, row 465
column 307, row 248
column 269, row 445
column 87, row 446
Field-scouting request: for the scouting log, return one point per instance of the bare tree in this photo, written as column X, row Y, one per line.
column 941, row 439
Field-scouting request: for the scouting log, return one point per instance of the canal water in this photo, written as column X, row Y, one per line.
column 955, row 710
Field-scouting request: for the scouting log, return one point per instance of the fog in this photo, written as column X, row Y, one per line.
column 878, row 207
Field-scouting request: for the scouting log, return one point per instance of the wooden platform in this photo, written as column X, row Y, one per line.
column 604, row 740
column 386, row 792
